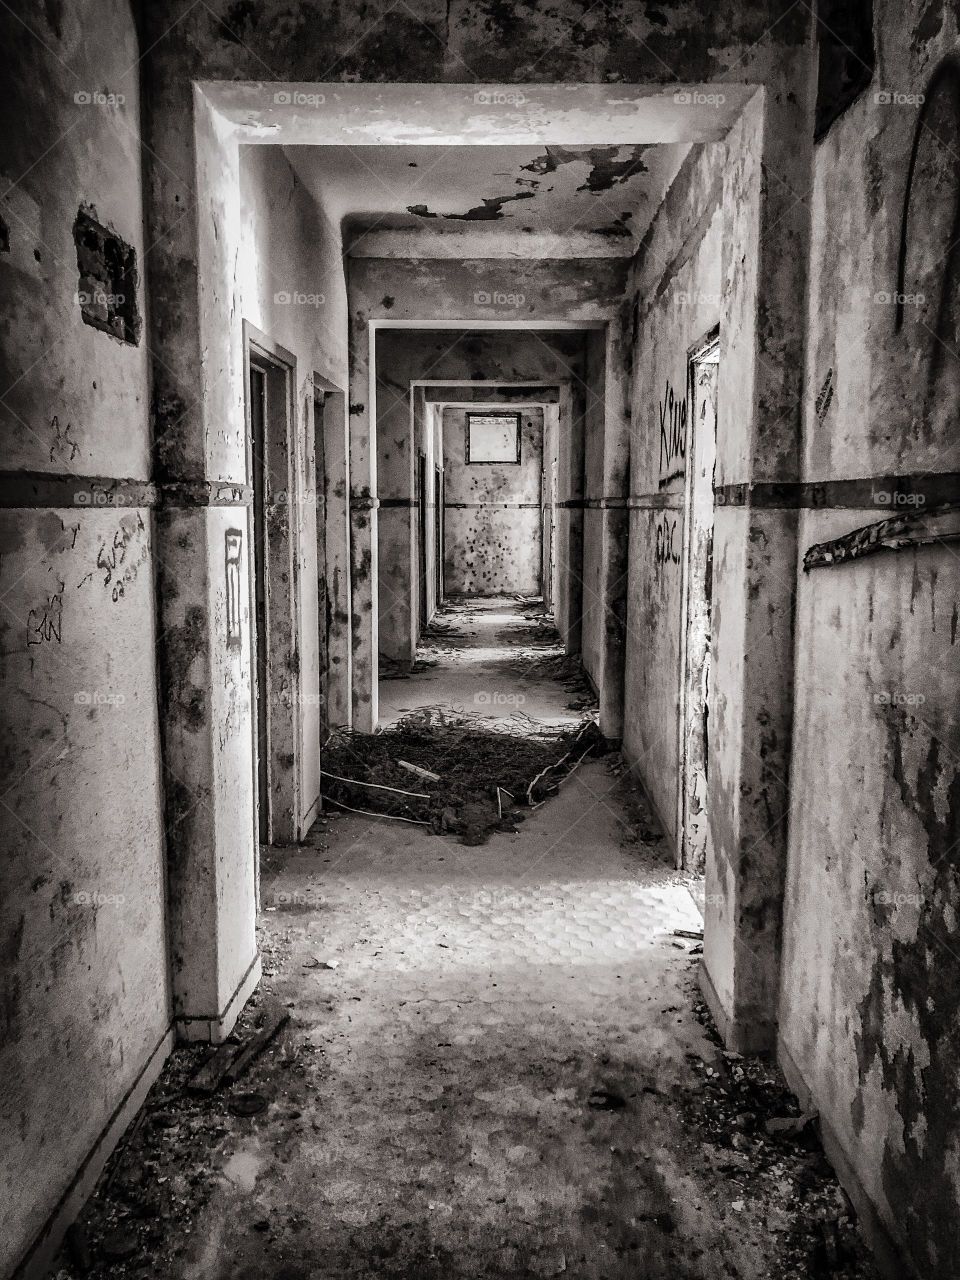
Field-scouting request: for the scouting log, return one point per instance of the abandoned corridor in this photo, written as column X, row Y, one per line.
column 532, row 425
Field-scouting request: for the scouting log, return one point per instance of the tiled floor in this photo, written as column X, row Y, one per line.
column 480, row 996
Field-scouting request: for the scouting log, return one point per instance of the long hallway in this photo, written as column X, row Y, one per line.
column 496, row 1062
column 479, row 683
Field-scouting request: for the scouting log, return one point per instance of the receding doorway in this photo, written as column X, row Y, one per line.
column 271, row 475
column 696, row 625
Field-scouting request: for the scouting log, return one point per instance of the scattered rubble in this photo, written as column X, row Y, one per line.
column 755, row 1135
column 142, row 1219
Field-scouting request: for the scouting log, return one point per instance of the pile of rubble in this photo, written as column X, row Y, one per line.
column 452, row 771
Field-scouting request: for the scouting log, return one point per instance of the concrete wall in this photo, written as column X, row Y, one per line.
column 867, row 1002
column 868, row 1015
column 293, row 289
column 675, row 308
column 493, row 513
column 85, row 994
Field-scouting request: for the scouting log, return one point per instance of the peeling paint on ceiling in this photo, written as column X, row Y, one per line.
column 608, row 191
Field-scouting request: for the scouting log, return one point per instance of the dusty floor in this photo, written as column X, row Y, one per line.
column 497, row 1065
column 493, row 657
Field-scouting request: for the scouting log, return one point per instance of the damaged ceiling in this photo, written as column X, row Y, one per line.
column 607, row 193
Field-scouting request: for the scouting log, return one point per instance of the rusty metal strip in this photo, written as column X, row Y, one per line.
column 891, row 492
column 38, row 489
column 204, row 493
column 916, row 529
column 398, row 502
column 474, row 506
column 364, row 503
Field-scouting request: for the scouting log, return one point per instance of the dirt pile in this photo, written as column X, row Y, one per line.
column 454, row 771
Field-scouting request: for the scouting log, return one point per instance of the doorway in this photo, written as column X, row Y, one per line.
column 320, row 398
column 423, row 605
column 438, row 502
column 276, row 688
column 693, row 832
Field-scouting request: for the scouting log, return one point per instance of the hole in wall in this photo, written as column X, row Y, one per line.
column 107, row 288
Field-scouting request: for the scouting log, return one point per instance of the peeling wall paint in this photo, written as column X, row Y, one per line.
column 869, row 997
column 674, row 312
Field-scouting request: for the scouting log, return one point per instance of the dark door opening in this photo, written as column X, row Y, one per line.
column 274, row 589
column 423, row 610
column 258, row 421
column 438, row 536
column 323, row 600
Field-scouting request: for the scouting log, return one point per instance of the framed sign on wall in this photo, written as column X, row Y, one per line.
column 493, row 437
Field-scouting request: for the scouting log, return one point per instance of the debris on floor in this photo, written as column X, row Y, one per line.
column 230, row 1060
column 394, row 669
column 471, row 776
column 468, row 1096
column 755, row 1135
column 156, row 1187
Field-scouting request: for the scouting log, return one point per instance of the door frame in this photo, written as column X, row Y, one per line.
column 695, row 597
column 273, row 562
column 437, row 537
column 422, row 611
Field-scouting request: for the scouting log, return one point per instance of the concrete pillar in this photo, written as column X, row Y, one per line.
column 569, row 549
column 336, row 569
column 755, row 550
column 607, row 381
column 203, row 533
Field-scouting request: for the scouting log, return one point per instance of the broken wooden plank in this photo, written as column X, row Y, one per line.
column 225, row 1064
column 209, row 1077
column 914, row 529
column 696, row 935
column 256, row 1044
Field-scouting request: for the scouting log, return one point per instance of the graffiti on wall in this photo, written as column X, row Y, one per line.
column 45, row 623
column 672, row 413
column 233, row 540
column 667, row 538
column 112, row 559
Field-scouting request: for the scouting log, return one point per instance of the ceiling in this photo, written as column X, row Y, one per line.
column 505, row 196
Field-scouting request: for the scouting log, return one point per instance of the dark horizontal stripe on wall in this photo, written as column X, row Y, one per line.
column 477, row 506
column 50, row 489
column 594, row 504
column 398, row 502
column 891, row 493
column 655, row 502
column 364, row 504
